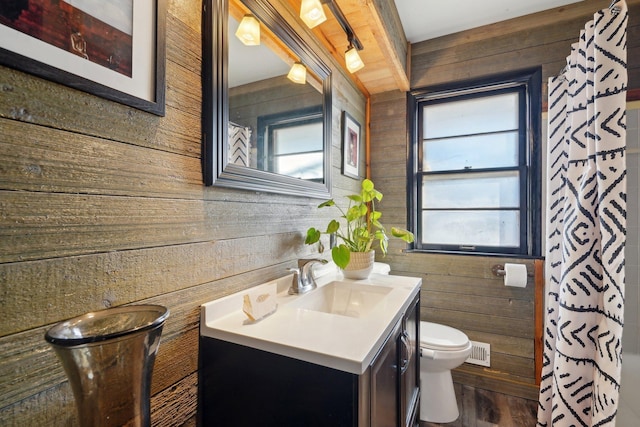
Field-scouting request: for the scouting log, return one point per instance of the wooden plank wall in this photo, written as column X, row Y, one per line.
column 541, row 39
column 461, row 290
column 103, row 205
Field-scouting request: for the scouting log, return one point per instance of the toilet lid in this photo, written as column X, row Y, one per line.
column 441, row 337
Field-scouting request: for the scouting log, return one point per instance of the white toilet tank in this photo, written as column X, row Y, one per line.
column 381, row 268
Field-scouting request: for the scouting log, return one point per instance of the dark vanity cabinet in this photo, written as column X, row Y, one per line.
column 395, row 375
column 243, row 386
column 409, row 366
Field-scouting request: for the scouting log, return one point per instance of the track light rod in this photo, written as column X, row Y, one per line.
column 351, row 35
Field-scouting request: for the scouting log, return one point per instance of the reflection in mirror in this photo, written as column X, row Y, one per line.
column 290, row 143
column 277, row 126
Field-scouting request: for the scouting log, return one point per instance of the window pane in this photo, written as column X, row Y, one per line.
column 471, row 190
column 298, row 139
column 471, row 228
column 471, row 116
column 303, row 166
column 471, row 152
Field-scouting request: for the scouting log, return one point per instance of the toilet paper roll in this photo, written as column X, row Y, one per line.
column 515, row 275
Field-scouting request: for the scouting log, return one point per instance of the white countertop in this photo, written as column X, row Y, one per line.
column 336, row 341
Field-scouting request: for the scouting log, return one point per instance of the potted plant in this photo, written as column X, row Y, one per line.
column 363, row 230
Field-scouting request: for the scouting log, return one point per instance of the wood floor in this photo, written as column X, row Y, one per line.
column 483, row 408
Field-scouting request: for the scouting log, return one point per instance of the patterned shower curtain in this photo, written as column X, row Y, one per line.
column 586, row 228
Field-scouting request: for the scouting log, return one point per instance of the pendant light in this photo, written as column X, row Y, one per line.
column 312, row 13
column 298, row 73
column 249, row 30
column 352, row 59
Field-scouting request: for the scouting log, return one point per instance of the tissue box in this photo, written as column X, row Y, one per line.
column 260, row 303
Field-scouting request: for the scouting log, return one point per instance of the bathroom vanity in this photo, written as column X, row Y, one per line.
column 345, row 354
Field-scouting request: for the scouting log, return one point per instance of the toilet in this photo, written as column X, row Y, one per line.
column 442, row 348
column 381, row 268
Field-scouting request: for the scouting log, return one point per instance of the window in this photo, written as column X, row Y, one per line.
column 475, row 166
column 291, row 143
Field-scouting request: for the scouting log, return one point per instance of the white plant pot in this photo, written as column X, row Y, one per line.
column 360, row 265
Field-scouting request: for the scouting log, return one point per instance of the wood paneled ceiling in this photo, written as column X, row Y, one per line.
column 377, row 25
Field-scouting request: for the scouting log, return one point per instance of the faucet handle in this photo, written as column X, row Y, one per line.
column 304, row 261
column 296, row 273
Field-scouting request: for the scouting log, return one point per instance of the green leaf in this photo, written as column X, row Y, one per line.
column 355, row 212
column 333, row 226
column 375, row 215
column 313, row 236
column 403, row 234
column 381, row 235
column 355, row 198
column 367, row 185
column 361, row 233
column 384, row 244
column 341, row 255
column 327, row 203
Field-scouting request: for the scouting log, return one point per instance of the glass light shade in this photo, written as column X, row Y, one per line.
column 249, row 30
column 312, row 13
column 352, row 58
column 298, row 73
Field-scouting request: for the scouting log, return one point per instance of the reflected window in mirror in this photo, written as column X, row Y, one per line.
column 290, row 143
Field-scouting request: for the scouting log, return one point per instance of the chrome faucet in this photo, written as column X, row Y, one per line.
column 303, row 280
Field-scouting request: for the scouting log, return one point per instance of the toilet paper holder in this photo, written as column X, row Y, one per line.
column 498, row 270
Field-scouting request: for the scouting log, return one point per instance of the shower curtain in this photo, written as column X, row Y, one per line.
column 586, row 228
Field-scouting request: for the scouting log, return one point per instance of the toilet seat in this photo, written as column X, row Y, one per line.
column 440, row 337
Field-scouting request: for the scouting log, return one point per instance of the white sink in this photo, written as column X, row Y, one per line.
column 343, row 298
column 340, row 325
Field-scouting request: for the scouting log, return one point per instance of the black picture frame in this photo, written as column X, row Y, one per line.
column 17, row 51
column 351, row 142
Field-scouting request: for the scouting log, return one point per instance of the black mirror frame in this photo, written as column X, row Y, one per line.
column 217, row 170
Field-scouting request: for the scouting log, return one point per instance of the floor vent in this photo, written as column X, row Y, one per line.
column 480, row 354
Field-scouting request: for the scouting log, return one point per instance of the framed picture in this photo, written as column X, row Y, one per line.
column 113, row 49
column 350, row 146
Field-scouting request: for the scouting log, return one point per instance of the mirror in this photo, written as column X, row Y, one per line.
column 263, row 131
